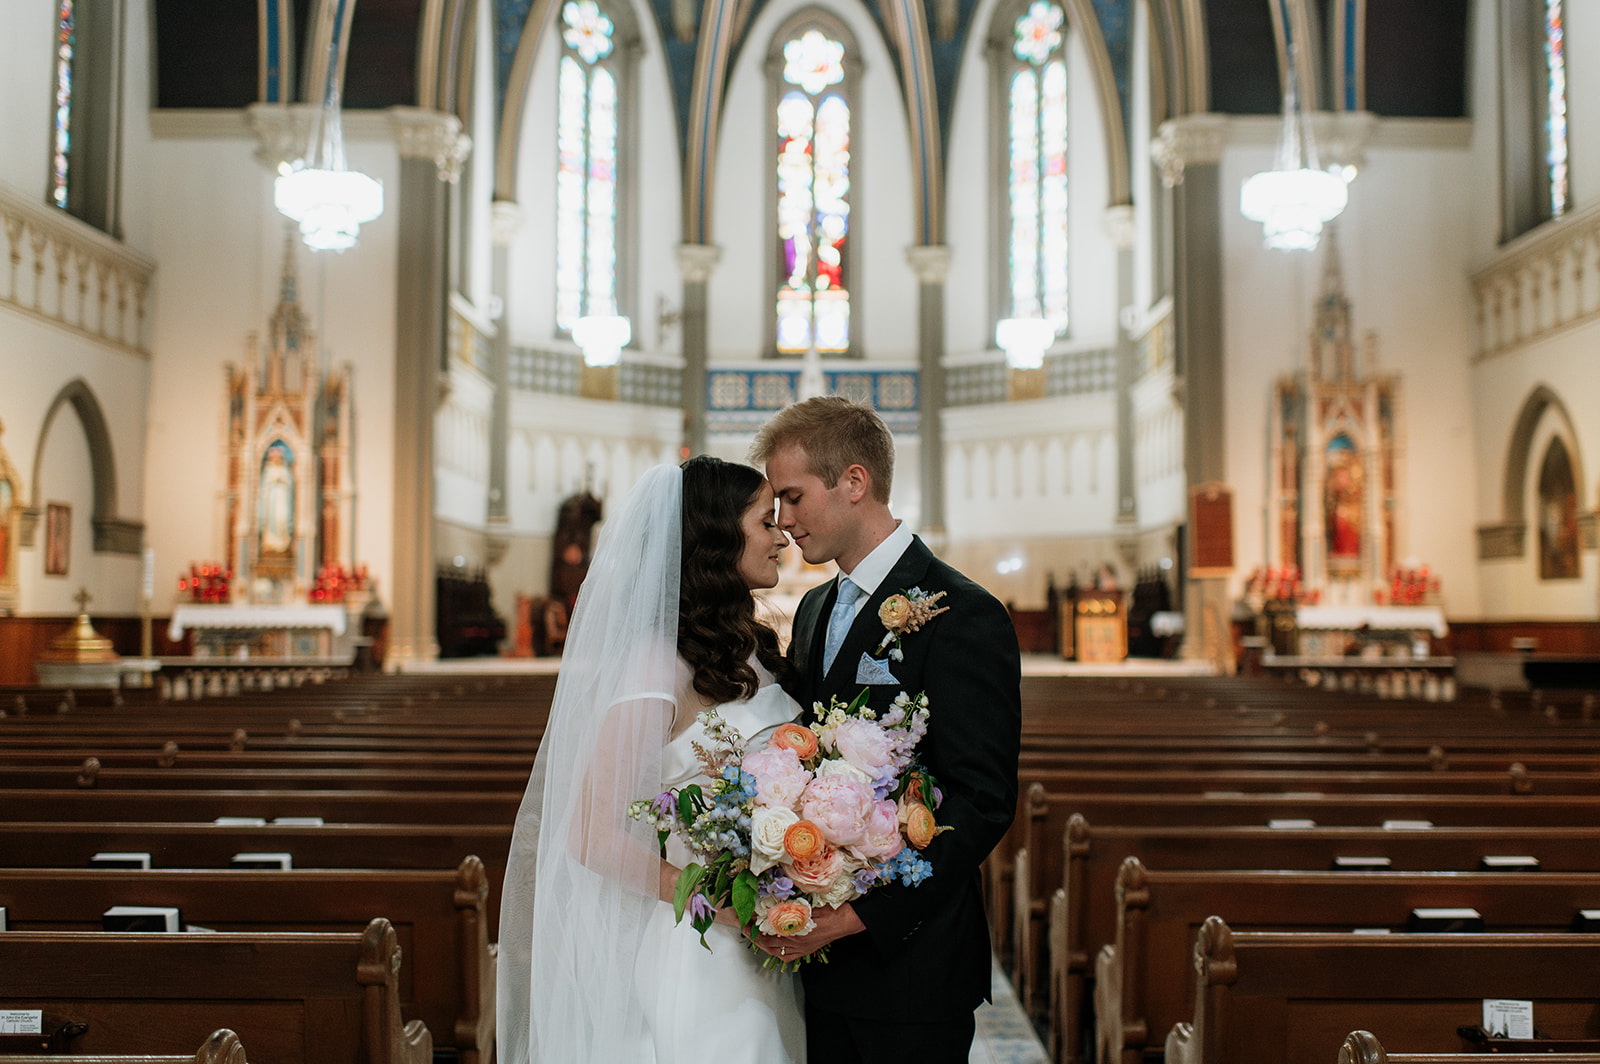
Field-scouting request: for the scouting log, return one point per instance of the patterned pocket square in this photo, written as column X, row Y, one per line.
column 874, row 670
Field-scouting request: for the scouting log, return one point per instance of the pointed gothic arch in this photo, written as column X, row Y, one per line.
column 112, row 534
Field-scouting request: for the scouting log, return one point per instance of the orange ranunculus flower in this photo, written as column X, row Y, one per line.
column 803, row 839
column 796, row 737
column 895, row 611
column 920, row 825
column 815, row 874
column 914, row 789
column 787, row 918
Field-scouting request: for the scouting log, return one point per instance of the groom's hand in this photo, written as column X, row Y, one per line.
column 832, row 925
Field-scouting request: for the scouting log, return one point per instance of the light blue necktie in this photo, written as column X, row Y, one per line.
column 844, row 612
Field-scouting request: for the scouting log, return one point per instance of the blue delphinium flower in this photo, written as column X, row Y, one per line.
column 908, row 868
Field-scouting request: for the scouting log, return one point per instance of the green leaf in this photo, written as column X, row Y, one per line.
column 687, row 802
column 745, row 892
column 858, row 701
column 688, row 881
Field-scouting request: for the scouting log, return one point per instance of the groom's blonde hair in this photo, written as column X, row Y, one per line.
column 835, row 433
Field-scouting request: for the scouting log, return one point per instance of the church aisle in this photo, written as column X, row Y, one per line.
column 1004, row 1034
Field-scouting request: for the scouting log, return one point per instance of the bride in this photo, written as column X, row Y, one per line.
column 592, row 970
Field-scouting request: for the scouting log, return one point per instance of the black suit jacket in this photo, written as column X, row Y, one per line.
column 927, row 944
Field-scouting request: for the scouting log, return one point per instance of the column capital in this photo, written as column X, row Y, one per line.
column 282, row 131
column 1189, row 140
column 421, row 133
column 696, row 261
column 1119, row 224
column 505, row 218
column 930, row 262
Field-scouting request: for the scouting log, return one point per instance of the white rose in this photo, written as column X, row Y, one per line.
column 842, row 889
column 841, row 767
column 767, row 825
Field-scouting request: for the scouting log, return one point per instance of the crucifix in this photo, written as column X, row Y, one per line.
column 83, row 598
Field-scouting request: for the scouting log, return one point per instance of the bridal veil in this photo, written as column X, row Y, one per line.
column 582, row 879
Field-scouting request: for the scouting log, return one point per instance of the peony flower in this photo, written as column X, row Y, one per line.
column 866, row 746
column 802, row 840
column 768, row 826
column 786, row 918
column 882, row 838
column 816, row 873
column 780, row 777
column 920, row 825
column 796, row 737
column 839, row 805
column 895, row 611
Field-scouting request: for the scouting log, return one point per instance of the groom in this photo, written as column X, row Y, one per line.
column 908, row 965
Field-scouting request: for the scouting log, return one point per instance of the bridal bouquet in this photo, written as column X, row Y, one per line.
column 820, row 815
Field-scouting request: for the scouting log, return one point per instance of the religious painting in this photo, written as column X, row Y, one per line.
column 275, row 501
column 1342, row 502
column 1558, row 515
column 57, row 538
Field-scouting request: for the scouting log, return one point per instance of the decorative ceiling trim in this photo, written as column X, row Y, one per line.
column 907, row 24
column 330, row 22
column 719, row 20
column 1082, row 16
column 1197, row 62
column 275, row 31
column 509, row 140
column 1350, row 55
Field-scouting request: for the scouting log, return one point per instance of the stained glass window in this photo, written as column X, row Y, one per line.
column 1036, row 146
column 1556, row 104
column 586, row 175
column 66, row 38
column 813, row 172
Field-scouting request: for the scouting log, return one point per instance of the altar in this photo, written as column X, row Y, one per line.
column 280, row 632
column 1371, row 631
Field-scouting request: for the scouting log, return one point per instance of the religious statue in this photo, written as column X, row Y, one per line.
column 1342, row 507
column 276, row 501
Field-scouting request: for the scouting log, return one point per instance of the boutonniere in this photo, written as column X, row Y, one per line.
column 904, row 613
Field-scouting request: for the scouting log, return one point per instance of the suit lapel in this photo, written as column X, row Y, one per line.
column 867, row 630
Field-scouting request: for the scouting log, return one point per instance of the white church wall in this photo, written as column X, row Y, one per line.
column 461, row 449
column 476, row 187
column 1092, row 252
column 530, row 310
column 220, row 245
column 1405, row 252
column 26, row 82
column 884, row 289
column 1582, row 44
column 658, row 199
column 37, row 361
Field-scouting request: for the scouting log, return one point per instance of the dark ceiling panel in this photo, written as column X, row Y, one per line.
column 381, row 66
column 206, row 53
column 1244, row 57
column 1417, row 58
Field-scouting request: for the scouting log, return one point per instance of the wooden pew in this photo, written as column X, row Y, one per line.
column 345, row 807
column 448, row 981
column 50, row 844
column 92, row 772
column 1267, row 997
column 318, row 998
column 223, row 1047
column 1086, row 860
column 1363, row 1047
column 1140, row 979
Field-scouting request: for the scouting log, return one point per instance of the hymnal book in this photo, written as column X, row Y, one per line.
column 107, row 859
column 298, row 821
column 1586, row 920
column 1290, row 823
column 1407, row 825
column 140, row 918
column 241, row 821
column 275, row 861
column 1446, row 920
column 1344, row 863
column 1507, row 862
column 1507, row 1018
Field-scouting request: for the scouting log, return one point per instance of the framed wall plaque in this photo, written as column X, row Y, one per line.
column 57, row 538
column 1211, row 518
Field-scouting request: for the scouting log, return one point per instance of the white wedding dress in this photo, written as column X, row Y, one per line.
column 723, row 1005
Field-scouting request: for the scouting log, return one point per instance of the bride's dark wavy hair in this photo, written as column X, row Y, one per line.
column 717, row 625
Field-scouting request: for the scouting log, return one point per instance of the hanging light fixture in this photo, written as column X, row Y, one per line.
column 1295, row 197
column 602, row 337
column 1024, row 340
column 328, row 200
